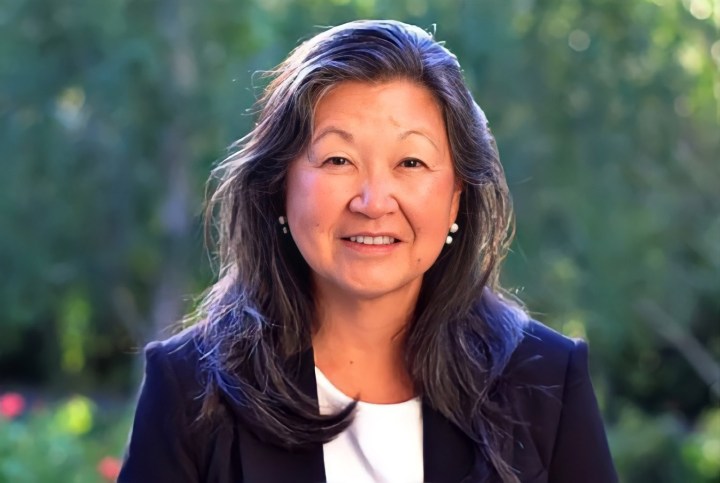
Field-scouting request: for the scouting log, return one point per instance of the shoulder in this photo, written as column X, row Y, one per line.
column 547, row 383
column 545, row 355
column 543, row 367
column 182, row 350
column 165, row 444
column 552, row 394
column 544, row 373
column 538, row 337
column 174, row 365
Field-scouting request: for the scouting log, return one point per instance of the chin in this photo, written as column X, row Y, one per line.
column 369, row 290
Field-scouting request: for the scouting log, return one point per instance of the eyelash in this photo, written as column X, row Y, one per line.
column 331, row 160
column 412, row 160
column 334, row 161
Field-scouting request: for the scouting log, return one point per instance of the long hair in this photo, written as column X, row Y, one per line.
column 258, row 317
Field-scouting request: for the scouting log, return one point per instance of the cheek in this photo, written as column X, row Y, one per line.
column 310, row 203
column 433, row 209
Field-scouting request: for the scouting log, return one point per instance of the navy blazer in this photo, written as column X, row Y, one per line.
column 561, row 438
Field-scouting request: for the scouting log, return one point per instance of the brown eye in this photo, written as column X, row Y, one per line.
column 411, row 163
column 337, row 161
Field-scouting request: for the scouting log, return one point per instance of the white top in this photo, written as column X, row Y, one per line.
column 383, row 443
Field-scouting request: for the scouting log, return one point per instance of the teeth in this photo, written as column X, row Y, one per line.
column 369, row 240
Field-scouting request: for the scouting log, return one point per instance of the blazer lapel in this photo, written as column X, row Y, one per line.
column 267, row 463
column 448, row 455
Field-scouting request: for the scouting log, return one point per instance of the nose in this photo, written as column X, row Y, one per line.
column 376, row 197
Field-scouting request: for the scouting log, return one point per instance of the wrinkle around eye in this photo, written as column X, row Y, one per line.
column 336, row 161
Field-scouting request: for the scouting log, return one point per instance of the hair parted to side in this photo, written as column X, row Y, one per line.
column 258, row 316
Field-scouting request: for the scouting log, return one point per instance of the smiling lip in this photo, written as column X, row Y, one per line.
column 373, row 238
column 372, row 242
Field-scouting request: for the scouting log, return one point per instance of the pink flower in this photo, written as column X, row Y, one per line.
column 11, row 405
column 109, row 468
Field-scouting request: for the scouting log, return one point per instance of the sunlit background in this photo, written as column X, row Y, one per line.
column 112, row 112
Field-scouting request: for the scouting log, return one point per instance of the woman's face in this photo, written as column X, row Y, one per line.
column 371, row 201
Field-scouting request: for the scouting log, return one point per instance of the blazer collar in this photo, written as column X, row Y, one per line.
column 448, row 455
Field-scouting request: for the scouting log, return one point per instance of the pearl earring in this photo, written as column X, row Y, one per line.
column 453, row 229
column 283, row 223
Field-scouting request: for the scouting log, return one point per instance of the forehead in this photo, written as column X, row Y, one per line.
column 399, row 102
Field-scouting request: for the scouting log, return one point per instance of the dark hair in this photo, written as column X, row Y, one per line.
column 258, row 316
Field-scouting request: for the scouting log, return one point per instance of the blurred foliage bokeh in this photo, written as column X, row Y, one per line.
column 112, row 113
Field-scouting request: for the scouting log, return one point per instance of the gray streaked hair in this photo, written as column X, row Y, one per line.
column 258, row 316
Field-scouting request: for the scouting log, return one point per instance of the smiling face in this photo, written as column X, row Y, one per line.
column 370, row 202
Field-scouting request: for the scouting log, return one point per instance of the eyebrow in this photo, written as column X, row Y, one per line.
column 334, row 130
column 419, row 133
column 348, row 137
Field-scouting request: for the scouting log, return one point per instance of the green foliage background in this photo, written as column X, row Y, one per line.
column 606, row 112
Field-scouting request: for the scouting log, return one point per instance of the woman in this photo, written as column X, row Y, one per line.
column 357, row 331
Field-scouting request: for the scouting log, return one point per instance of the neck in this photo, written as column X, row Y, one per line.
column 359, row 344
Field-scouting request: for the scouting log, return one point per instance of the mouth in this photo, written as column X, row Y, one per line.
column 372, row 240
